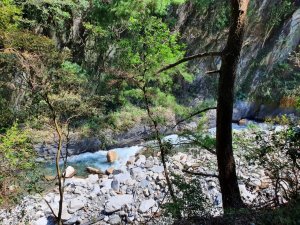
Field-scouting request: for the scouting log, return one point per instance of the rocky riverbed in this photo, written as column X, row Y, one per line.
column 134, row 193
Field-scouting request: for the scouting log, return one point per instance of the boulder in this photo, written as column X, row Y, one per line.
column 146, row 205
column 243, row 122
column 115, row 185
column 111, row 156
column 115, row 203
column 106, row 183
column 123, row 177
column 93, row 170
column 76, row 204
column 69, row 172
column 109, row 171
column 114, row 220
column 93, row 178
column 141, row 159
column 41, row 221
column 157, row 169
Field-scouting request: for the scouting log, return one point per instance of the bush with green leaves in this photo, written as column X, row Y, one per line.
column 190, row 200
column 277, row 151
column 17, row 162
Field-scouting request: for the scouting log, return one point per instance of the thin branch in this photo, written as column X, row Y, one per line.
column 51, row 209
column 212, row 72
column 188, row 58
column 193, row 114
column 200, row 174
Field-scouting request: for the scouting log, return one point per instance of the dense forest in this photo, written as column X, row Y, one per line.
column 149, row 112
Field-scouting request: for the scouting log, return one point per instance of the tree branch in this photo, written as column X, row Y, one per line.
column 212, row 71
column 200, row 174
column 188, row 58
column 193, row 114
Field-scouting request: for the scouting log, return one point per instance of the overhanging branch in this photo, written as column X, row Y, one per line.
column 212, row 72
column 194, row 114
column 188, row 58
column 200, row 174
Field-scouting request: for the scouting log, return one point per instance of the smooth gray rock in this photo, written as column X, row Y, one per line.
column 115, row 185
column 93, row 178
column 123, row 177
column 106, row 183
column 41, row 221
column 146, row 205
column 157, row 169
column 114, row 220
column 149, row 164
column 115, row 203
column 141, row 160
column 77, row 203
column 144, row 183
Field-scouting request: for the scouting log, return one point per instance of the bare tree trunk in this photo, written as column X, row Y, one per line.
column 59, row 175
column 58, row 153
column 160, row 144
column 226, row 165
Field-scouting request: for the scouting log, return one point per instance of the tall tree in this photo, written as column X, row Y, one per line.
column 227, row 174
column 230, row 56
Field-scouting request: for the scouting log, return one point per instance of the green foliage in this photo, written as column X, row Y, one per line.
column 190, row 200
column 47, row 14
column 10, row 15
column 282, row 81
column 278, row 153
column 127, row 117
column 148, row 47
column 286, row 215
column 17, row 162
column 216, row 13
column 278, row 12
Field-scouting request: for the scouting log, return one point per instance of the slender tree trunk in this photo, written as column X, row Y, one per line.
column 59, row 175
column 227, row 174
column 160, row 144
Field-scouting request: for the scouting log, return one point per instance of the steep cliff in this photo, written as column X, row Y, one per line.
column 267, row 73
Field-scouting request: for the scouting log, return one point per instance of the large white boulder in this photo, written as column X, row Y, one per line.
column 70, row 172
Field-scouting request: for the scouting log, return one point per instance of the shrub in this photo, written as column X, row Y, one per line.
column 278, row 152
column 17, row 158
column 190, row 201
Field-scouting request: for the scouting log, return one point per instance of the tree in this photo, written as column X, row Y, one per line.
column 55, row 89
column 226, row 165
column 230, row 56
column 148, row 44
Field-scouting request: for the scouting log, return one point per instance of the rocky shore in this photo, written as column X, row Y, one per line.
column 134, row 193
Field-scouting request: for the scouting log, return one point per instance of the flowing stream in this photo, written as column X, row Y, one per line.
column 98, row 159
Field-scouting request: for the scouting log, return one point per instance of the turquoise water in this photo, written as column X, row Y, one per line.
column 96, row 160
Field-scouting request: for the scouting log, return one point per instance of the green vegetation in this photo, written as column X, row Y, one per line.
column 16, row 155
column 92, row 67
column 190, row 201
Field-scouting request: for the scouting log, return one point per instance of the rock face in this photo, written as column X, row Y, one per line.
column 111, row 156
column 77, row 145
column 261, row 55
